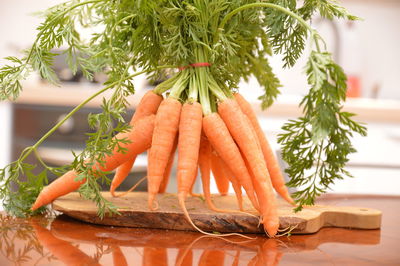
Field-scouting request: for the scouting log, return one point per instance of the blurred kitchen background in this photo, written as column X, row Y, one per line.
column 367, row 50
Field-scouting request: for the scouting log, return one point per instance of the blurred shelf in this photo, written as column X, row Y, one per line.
column 58, row 157
column 68, row 94
column 366, row 110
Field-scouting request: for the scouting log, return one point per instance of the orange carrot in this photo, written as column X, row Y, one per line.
column 140, row 137
column 205, row 169
column 241, row 131
column 165, row 130
column 121, row 173
column 140, row 140
column 167, row 173
column 221, row 180
column 221, row 140
column 148, row 105
column 192, row 185
column 235, row 183
column 61, row 249
column 272, row 163
column 188, row 148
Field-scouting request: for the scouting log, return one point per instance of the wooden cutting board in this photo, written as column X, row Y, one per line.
column 134, row 213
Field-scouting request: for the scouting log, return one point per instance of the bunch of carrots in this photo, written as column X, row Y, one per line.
column 214, row 44
column 214, row 130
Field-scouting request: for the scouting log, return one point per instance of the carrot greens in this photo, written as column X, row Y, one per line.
column 234, row 41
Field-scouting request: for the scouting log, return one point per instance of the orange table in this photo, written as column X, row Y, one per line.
column 61, row 240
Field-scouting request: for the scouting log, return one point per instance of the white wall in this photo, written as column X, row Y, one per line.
column 17, row 32
column 5, row 133
column 19, row 24
column 368, row 48
column 379, row 39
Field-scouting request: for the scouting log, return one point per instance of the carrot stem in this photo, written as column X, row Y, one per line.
column 165, row 85
column 216, row 90
column 201, row 77
column 180, row 84
column 193, row 88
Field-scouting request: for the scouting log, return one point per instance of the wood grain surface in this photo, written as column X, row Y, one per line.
column 134, row 213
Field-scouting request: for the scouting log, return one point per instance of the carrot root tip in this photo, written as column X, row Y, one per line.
column 153, row 205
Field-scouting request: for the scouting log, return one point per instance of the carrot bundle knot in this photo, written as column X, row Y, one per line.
column 199, row 64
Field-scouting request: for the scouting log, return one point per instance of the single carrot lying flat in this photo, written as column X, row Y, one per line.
column 140, row 140
column 272, row 164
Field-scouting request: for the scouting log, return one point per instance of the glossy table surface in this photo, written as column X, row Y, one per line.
column 64, row 241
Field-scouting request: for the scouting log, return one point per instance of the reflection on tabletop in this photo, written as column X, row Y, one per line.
column 61, row 240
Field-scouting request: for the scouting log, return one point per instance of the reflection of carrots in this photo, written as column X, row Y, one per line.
column 236, row 259
column 118, row 256
column 184, row 257
column 61, row 249
column 267, row 255
column 155, row 256
column 212, row 257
